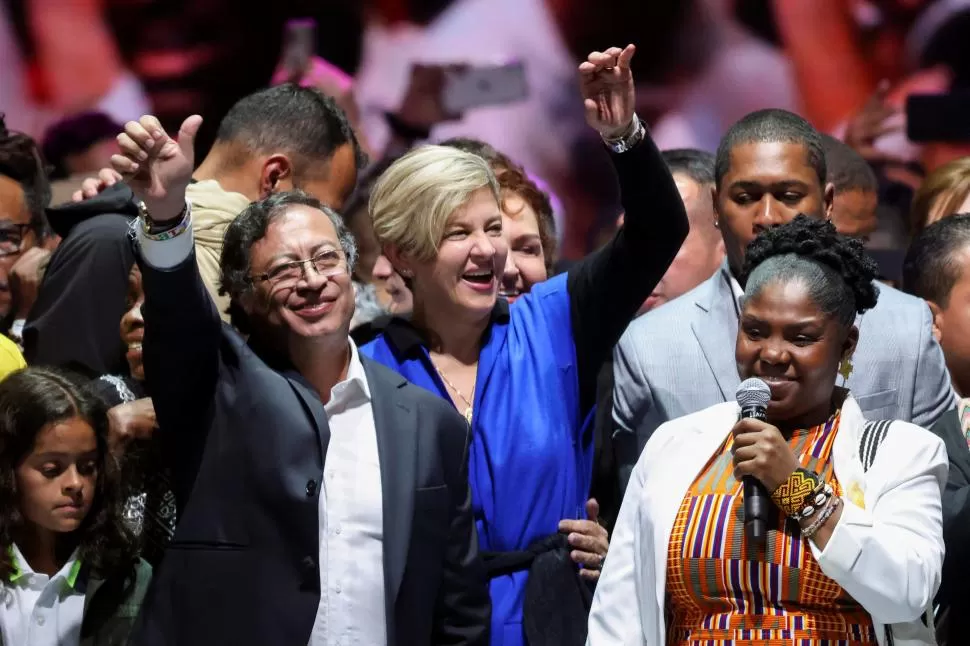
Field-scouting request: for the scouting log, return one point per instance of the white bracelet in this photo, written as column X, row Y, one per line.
column 834, row 503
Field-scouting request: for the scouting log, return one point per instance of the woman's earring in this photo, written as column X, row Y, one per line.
column 406, row 273
column 845, row 368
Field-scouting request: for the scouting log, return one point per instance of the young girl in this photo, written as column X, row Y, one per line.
column 69, row 574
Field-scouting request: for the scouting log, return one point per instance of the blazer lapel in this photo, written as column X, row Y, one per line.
column 671, row 472
column 314, row 408
column 845, row 453
column 396, row 424
column 716, row 331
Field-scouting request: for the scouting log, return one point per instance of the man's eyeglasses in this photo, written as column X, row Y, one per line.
column 12, row 238
column 327, row 263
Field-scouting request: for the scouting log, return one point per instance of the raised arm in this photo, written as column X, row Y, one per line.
column 608, row 287
column 182, row 326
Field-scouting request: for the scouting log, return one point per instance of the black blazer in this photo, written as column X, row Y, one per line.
column 954, row 595
column 247, row 438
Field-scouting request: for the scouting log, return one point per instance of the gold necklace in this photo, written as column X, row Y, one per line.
column 468, row 411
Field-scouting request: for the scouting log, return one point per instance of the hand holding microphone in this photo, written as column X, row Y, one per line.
column 763, row 459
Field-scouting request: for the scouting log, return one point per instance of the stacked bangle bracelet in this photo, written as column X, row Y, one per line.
column 802, row 494
column 805, row 495
column 833, row 503
column 167, row 231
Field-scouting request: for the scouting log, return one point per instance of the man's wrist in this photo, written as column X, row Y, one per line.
column 157, row 219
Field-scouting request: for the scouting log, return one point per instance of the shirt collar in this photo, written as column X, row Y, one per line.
column 355, row 373
column 21, row 568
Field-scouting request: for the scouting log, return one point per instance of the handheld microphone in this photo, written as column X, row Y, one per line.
column 753, row 396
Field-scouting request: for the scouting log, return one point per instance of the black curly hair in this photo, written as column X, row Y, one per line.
column 31, row 399
column 838, row 272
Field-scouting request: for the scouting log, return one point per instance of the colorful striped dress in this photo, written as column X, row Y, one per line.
column 722, row 591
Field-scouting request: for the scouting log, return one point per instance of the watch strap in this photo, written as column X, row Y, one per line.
column 628, row 140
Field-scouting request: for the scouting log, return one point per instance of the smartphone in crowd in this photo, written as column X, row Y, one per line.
column 938, row 117
column 479, row 86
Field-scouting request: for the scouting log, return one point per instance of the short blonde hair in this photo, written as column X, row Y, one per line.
column 941, row 193
column 413, row 199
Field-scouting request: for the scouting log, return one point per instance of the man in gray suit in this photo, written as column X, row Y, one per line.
column 679, row 358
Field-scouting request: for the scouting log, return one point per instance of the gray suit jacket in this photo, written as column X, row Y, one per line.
column 679, row 359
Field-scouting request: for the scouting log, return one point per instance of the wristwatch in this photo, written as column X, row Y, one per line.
column 628, row 140
column 152, row 227
column 159, row 231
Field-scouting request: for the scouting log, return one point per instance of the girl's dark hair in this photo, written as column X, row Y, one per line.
column 836, row 268
column 30, row 400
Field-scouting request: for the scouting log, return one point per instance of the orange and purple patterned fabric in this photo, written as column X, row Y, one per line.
column 723, row 591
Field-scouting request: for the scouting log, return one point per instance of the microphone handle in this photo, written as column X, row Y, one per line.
column 756, row 500
column 755, row 510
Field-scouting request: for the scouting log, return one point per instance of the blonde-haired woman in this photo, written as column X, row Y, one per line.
column 525, row 376
column 945, row 192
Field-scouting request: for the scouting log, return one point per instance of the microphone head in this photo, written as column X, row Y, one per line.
column 753, row 393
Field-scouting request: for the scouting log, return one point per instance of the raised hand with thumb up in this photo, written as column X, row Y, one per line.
column 156, row 167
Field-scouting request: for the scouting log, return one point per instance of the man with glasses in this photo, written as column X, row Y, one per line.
column 24, row 194
column 322, row 498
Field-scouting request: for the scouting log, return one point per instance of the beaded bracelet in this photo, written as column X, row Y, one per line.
column 816, row 503
column 834, row 503
column 180, row 227
column 791, row 496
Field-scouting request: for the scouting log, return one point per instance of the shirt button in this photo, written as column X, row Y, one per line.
column 311, row 488
column 41, row 621
column 338, row 589
column 309, row 564
column 337, row 530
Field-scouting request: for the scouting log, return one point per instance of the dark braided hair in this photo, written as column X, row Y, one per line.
column 835, row 268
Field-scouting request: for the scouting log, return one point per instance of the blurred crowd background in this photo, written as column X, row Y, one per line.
column 75, row 69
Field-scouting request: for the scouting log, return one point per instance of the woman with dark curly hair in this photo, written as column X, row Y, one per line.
column 854, row 541
column 69, row 572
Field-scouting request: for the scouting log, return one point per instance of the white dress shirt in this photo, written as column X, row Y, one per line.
column 352, row 610
column 41, row 610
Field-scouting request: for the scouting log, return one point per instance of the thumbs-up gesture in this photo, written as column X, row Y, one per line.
column 155, row 166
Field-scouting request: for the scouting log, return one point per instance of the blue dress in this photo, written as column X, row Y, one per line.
column 530, row 462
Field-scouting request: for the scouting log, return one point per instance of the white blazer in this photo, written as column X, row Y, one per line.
column 887, row 555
